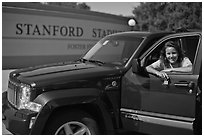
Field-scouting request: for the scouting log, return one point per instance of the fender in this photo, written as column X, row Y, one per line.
column 54, row 99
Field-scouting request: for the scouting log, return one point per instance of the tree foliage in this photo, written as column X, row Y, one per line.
column 74, row 5
column 154, row 16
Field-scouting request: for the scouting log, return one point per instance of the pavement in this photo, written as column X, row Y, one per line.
column 5, row 74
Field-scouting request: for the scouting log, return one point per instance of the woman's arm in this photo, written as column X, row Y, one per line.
column 151, row 70
column 180, row 69
column 186, row 66
column 160, row 74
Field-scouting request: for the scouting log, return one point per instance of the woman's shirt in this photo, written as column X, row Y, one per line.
column 159, row 64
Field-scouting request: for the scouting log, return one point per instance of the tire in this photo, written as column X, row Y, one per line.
column 72, row 123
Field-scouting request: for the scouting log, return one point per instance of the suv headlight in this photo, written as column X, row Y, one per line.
column 24, row 99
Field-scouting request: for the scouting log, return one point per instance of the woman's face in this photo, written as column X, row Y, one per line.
column 171, row 55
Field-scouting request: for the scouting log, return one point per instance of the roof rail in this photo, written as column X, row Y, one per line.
column 181, row 29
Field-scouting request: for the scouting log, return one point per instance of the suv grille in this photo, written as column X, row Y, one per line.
column 13, row 93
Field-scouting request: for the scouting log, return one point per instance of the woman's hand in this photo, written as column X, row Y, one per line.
column 162, row 74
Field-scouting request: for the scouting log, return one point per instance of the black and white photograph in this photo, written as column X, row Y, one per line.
column 102, row 68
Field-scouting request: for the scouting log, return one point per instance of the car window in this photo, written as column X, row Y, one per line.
column 114, row 49
column 188, row 44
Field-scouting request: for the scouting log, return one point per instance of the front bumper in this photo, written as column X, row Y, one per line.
column 16, row 121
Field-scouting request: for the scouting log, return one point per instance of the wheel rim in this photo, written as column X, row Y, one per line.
column 73, row 128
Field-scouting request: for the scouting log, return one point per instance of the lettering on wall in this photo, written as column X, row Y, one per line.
column 100, row 33
column 79, row 46
column 26, row 29
column 48, row 30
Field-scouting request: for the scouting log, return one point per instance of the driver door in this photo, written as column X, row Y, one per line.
column 151, row 105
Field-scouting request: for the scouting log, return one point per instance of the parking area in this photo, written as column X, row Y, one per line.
column 5, row 74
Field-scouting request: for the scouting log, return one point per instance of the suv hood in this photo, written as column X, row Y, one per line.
column 64, row 72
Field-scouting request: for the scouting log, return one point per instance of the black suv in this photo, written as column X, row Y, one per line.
column 108, row 91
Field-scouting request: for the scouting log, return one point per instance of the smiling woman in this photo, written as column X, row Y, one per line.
column 171, row 59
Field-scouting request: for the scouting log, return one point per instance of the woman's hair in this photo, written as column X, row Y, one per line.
column 178, row 49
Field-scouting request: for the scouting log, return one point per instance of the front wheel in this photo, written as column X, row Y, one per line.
column 72, row 123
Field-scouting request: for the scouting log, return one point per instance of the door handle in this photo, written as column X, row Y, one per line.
column 181, row 84
column 190, row 85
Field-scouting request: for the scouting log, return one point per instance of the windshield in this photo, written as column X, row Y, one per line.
column 113, row 49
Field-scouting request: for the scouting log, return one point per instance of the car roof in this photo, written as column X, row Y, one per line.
column 141, row 34
column 151, row 35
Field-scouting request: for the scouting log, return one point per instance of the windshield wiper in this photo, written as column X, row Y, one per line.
column 82, row 60
column 92, row 61
column 97, row 61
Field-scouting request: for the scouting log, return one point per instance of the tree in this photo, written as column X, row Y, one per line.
column 83, row 6
column 74, row 5
column 154, row 16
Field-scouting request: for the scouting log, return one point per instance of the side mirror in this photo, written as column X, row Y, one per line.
column 136, row 66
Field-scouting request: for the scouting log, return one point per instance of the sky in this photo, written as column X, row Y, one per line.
column 116, row 8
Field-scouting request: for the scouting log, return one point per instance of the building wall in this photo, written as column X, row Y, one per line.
column 35, row 35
